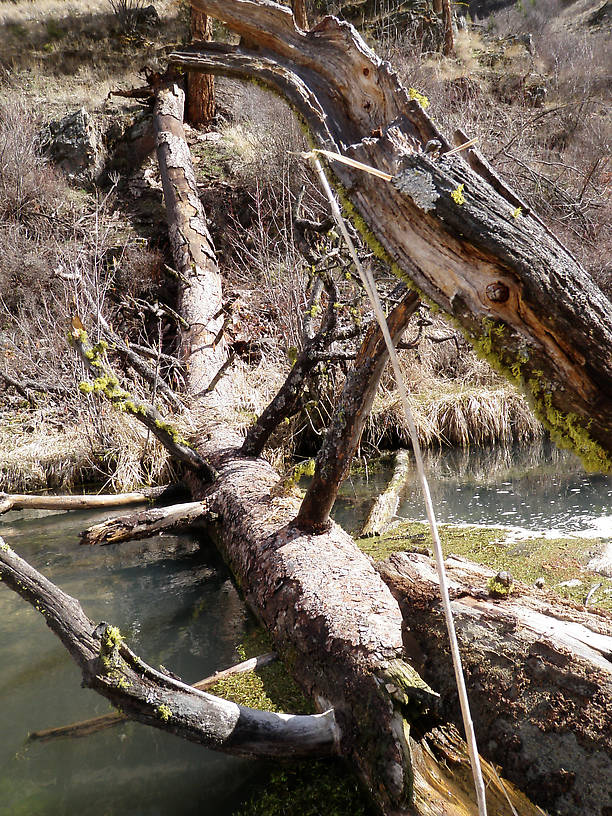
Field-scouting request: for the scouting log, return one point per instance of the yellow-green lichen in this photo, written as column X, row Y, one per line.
column 498, row 589
column 457, row 195
column 517, row 212
column 164, row 712
column 419, row 97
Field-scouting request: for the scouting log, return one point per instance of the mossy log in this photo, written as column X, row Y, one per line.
column 539, row 669
column 516, row 292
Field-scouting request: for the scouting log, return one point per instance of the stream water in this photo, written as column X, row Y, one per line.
column 177, row 605
column 535, row 489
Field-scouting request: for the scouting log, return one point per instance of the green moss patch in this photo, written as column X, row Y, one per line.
column 557, row 560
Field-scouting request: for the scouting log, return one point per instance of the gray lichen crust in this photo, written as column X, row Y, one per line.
column 419, row 186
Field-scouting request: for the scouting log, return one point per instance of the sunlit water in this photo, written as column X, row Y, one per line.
column 177, row 606
column 538, row 489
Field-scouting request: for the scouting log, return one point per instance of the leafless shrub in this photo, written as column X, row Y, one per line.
column 128, row 13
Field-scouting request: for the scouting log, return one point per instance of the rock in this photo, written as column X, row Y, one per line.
column 146, row 18
column 73, row 144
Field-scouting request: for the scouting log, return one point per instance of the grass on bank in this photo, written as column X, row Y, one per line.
column 557, row 560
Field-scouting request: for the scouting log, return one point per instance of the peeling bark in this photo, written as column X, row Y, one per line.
column 192, row 249
column 551, row 332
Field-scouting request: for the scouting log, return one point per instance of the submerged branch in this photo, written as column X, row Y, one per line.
column 92, row 725
column 22, row 501
column 151, row 697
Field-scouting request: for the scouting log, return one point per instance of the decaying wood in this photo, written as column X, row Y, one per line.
column 144, row 524
column 540, row 673
column 84, row 728
column 385, row 506
column 200, row 302
column 24, row 501
column 518, row 294
column 109, row 667
column 344, row 433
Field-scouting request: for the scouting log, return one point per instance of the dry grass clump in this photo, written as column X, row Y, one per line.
column 39, row 450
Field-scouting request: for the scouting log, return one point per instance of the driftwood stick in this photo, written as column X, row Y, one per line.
column 109, row 667
column 386, row 503
column 24, row 501
column 85, row 728
column 144, row 524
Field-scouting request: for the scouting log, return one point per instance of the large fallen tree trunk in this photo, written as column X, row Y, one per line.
column 455, row 233
column 540, row 669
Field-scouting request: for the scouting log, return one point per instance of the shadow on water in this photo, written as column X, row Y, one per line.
column 175, row 602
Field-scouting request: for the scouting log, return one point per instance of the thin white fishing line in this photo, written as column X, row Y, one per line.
column 370, row 287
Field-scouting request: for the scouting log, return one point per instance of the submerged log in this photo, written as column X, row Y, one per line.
column 539, row 669
column 385, row 506
column 520, row 297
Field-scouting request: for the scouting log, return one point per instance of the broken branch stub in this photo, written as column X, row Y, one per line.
column 439, row 223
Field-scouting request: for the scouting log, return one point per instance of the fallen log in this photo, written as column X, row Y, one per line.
column 25, row 501
column 385, row 506
column 85, row 728
column 520, row 297
column 144, row 524
column 539, row 669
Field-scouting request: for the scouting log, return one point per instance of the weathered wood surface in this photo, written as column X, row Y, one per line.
column 25, row 501
column 518, row 294
column 539, row 671
column 200, row 302
column 385, row 506
column 158, row 699
column 144, row 524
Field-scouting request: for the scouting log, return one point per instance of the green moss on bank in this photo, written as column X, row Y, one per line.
column 557, row 560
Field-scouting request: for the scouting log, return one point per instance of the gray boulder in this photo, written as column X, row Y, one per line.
column 73, row 144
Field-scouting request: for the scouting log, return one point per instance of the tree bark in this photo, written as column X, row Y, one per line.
column 201, row 302
column 447, row 18
column 200, row 87
column 299, row 13
column 539, row 669
column 343, row 435
column 518, row 294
